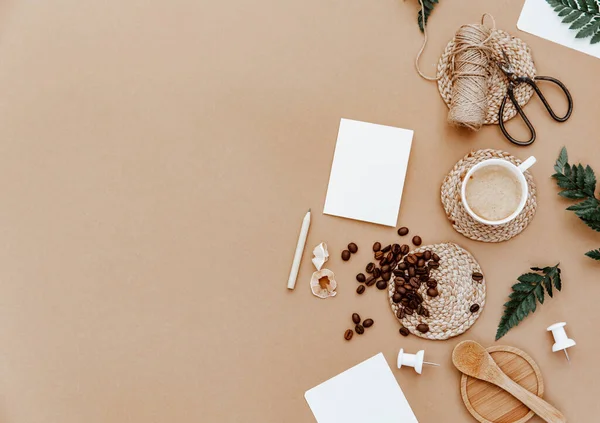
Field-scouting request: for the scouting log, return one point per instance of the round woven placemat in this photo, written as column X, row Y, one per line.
column 463, row 222
column 449, row 312
column 519, row 55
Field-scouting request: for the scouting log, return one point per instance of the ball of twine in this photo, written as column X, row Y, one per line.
column 469, row 74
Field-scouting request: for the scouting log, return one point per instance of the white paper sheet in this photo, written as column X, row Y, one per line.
column 366, row 393
column 539, row 18
column 368, row 172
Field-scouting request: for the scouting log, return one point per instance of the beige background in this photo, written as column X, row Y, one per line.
column 156, row 159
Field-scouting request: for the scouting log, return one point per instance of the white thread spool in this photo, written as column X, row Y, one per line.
column 413, row 360
column 561, row 340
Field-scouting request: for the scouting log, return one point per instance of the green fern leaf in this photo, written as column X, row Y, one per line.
column 589, row 30
column 582, row 15
column 594, row 254
column 581, row 22
column 596, row 38
column 593, row 6
column 573, row 16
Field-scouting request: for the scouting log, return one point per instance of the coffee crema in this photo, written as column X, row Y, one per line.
column 493, row 193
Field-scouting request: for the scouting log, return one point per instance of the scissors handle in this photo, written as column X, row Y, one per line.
column 511, row 94
column 532, row 82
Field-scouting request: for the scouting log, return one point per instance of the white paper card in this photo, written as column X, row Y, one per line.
column 381, row 399
column 368, row 172
column 539, row 18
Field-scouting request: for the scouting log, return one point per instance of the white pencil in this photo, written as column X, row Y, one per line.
column 299, row 250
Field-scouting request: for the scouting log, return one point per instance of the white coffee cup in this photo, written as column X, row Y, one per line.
column 517, row 171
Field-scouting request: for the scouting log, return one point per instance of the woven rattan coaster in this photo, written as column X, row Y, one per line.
column 463, row 222
column 449, row 312
column 519, row 55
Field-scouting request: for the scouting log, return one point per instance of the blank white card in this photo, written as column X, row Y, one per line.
column 368, row 172
column 367, row 393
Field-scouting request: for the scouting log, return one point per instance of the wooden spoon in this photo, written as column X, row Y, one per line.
column 473, row 360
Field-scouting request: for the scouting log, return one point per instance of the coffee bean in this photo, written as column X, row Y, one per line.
column 433, row 265
column 385, row 268
column 377, row 272
column 402, row 266
column 378, row 255
column 361, row 277
column 396, row 298
column 401, row 290
column 346, row 255
column 424, row 278
column 371, row 281
column 421, row 263
column 390, row 257
column 427, row 255
column 420, row 254
column 420, row 310
column 417, row 240
column 403, row 231
column 381, row 285
column 415, row 283
column 398, row 272
column 435, row 257
column 352, row 247
column 398, row 282
column 404, row 301
column 356, row 318
column 474, row 308
column 413, row 304
column 409, row 310
column 386, row 248
column 404, row 331
column 359, row 329
column 431, row 283
column 477, row 277
column 349, row 334
column 423, row 328
column 411, row 271
column 432, row 292
column 360, row 290
column 408, row 287
column 368, row 323
column 377, row 246
column 400, row 313
column 386, row 276
column 392, row 264
column 425, row 312
column 396, row 249
column 404, row 249
column 419, row 297
column 370, row 267
column 421, row 271
column 411, row 259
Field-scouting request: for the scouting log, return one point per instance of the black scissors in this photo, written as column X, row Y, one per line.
column 513, row 81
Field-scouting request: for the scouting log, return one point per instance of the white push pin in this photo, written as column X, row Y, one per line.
column 561, row 341
column 413, row 360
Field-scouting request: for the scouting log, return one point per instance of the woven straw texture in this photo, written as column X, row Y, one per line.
column 463, row 222
column 519, row 55
column 449, row 311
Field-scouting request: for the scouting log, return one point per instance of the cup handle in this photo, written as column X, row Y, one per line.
column 527, row 164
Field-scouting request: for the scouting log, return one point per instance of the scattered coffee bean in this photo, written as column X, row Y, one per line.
column 401, row 290
column 396, row 249
column 352, row 247
column 421, row 271
column 435, row 257
column 403, row 231
column 411, row 271
column 408, row 287
column 404, row 301
column 425, row 312
column 413, row 304
column 346, row 255
column 402, row 266
column 361, row 277
column 386, row 276
column 421, row 263
column 376, row 247
column 424, row 278
column 356, row 318
column 423, row 328
column 474, row 308
column 378, row 255
column 400, row 313
column 417, row 240
column 420, row 255
column 385, row 268
column 381, row 285
column 404, row 249
column 433, row 265
column 431, row 283
column 415, row 283
column 404, row 331
column 377, row 272
column 348, row 334
column 411, row 259
column 370, row 267
column 432, row 292
column 359, row 329
column 398, row 272
column 390, row 257
column 360, row 290
column 368, row 323
column 409, row 311
column 371, row 281
column 420, row 310
column 396, row 298
column 477, row 277
column 383, row 261
column 419, row 297
column 427, row 255
column 386, row 248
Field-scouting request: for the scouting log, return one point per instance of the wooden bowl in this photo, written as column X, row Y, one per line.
column 490, row 404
